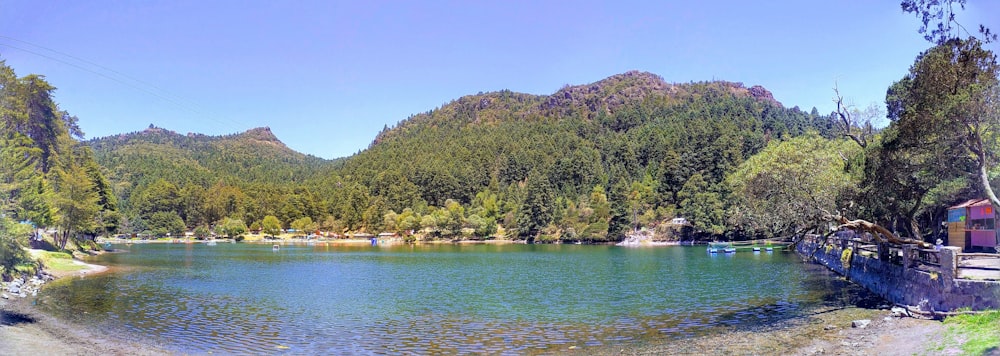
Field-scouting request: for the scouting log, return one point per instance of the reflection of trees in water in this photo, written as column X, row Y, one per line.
column 81, row 300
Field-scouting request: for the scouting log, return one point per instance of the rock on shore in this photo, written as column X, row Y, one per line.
column 823, row 332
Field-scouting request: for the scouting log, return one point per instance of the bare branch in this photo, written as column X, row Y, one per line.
column 858, row 129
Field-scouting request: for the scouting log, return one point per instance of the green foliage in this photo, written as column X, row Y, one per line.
column 938, row 19
column 205, row 178
column 791, row 184
column 271, row 225
column 303, row 225
column 233, row 227
column 46, row 176
column 13, row 239
column 201, row 232
column 535, row 212
column 943, row 138
column 76, row 201
column 162, row 223
column 703, row 205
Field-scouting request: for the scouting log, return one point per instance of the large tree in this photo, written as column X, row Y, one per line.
column 76, row 203
column 950, row 99
column 791, row 185
column 536, row 209
column 271, row 225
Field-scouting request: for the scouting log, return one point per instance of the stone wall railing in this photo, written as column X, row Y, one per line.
column 926, row 279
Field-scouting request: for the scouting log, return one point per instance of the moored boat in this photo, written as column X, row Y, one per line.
column 716, row 247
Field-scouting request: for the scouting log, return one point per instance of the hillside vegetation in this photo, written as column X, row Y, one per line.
column 588, row 163
column 201, row 179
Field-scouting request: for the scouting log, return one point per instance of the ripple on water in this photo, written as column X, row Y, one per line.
column 438, row 299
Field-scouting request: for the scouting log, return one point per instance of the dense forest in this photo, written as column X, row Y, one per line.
column 169, row 183
column 587, row 163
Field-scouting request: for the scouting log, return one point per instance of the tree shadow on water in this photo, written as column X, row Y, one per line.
column 829, row 295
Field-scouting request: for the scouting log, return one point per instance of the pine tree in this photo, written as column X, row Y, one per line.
column 536, row 211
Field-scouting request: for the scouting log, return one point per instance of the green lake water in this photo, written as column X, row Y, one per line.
column 246, row 298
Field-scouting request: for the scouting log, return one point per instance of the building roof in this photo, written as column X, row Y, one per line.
column 971, row 202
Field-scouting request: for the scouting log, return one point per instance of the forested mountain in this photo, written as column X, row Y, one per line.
column 650, row 149
column 255, row 156
column 200, row 178
column 585, row 163
column 628, row 149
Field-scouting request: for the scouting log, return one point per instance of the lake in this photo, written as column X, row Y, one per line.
column 434, row 298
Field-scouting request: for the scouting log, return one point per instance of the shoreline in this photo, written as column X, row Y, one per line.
column 26, row 330
column 823, row 332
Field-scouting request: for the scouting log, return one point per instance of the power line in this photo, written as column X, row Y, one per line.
column 181, row 105
column 120, row 78
column 162, row 91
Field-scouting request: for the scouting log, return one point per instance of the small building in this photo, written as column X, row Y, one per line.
column 972, row 225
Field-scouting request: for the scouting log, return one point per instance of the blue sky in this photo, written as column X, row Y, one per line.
column 326, row 76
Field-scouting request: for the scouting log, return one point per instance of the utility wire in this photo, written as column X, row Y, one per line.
column 120, row 78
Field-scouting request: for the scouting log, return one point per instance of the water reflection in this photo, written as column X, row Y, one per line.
column 436, row 298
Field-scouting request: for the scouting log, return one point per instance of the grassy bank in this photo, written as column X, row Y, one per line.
column 976, row 333
column 57, row 261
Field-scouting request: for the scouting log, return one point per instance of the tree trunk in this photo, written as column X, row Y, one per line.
column 61, row 238
column 880, row 233
column 985, row 179
column 915, row 230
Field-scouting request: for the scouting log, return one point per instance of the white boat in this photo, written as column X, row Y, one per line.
column 721, row 247
column 275, row 247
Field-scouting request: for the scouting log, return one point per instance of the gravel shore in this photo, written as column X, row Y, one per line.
column 824, row 332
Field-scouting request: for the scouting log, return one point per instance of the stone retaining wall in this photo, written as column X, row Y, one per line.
column 935, row 290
